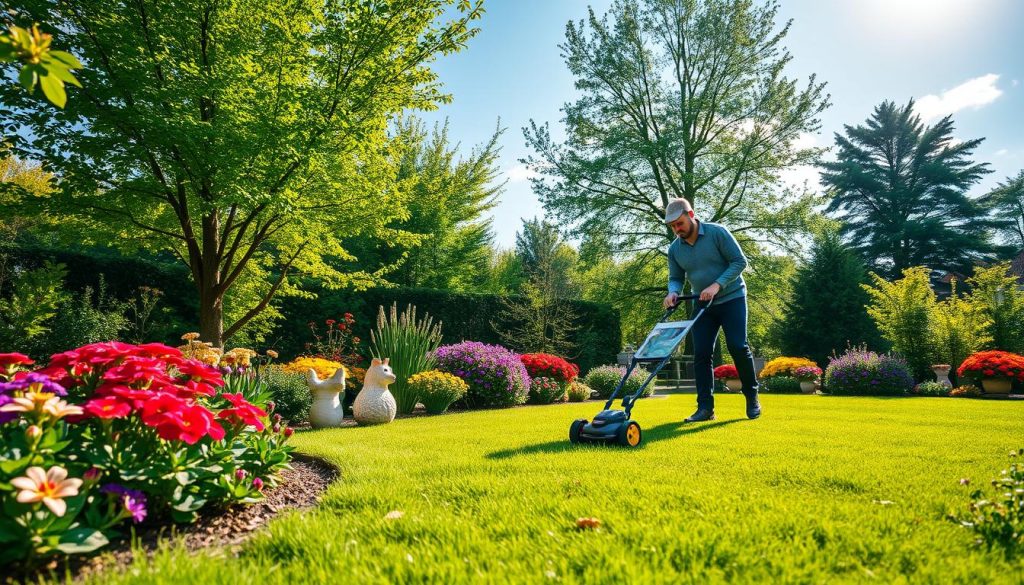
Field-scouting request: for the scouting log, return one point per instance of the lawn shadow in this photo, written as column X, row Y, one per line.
column 658, row 433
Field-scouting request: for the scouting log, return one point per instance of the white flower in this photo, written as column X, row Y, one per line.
column 49, row 487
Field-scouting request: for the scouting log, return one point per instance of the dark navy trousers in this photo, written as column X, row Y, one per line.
column 731, row 317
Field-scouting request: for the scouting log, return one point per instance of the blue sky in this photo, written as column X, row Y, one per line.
column 960, row 57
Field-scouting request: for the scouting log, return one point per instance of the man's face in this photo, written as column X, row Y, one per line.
column 683, row 226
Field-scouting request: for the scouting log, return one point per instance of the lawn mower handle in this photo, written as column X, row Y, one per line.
column 679, row 301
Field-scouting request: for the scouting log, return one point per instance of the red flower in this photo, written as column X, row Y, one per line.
column 107, row 408
column 726, row 371
column 8, row 361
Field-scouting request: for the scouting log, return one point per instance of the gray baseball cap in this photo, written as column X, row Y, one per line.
column 676, row 208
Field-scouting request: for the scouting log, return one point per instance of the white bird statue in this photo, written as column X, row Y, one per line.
column 327, row 409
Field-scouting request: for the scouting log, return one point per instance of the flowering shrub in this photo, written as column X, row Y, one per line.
column 604, row 379
column 578, row 391
column 931, row 389
column 337, row 341
column 111, row 432
column 807, row 373
column 549, row 366
column 863, row 372
column 990, row 364
column 546, row 390
column 437, row 390
column 726, row 371
column 784, row 366
column 495, row 375
column 966, row 391
column 998, row 519
column 323, row 368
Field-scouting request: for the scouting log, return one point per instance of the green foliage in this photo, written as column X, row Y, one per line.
column 34, row 298
column 998, row 519
column 578, row 391
column 245, row 151
column 290, row 394
column 39, row 63
column 465, row 316
column 932, row 389
column 902, row 190
column 677, row 99
column 959, row 328
column 1000, row 302
column 408, row 343
column 902, row 310
column 437, row 390
column 1005, row 205
column 82, row 318
column 604, row 379
column 827, row 310
column 781, row 385
column 544, row 390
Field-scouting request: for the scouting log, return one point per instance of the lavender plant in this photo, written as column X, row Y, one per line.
column 495, row 375
column 866, row 373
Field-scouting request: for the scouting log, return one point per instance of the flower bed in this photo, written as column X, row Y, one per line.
column 111, row 433
column 866, row 373
column 495, row 375
column 549, row 366
column 992, row 364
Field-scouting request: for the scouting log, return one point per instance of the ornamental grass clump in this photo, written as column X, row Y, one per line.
column 545, row 390
column 495, row 375
column 408, row 342
column 604, row 379
column 866, row 373
column 437, row 390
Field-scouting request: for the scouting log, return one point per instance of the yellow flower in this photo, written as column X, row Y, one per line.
column 784, row 366
column 49, row 487
column 190, row 336
column 323, row 368
column 271, row 354
column 41, row 403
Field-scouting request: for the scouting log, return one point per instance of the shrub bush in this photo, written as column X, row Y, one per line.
column 966, row 391
column 495, row 375
column 604, row 379
column 156, row 430
column 437, row 390
column 932, row 389
column 549, row 366
column 578, row 391
column 545, row 390
column 866, row 373
column 784, row 366
column 290, row 393
column 781, row 385
column 807, row 373
column 998, row 519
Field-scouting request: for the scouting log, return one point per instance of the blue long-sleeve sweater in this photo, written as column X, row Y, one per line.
column 714, row 257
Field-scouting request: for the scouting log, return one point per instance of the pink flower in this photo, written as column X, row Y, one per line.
column 49, row 487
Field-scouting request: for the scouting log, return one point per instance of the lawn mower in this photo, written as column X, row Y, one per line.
column 615, row 426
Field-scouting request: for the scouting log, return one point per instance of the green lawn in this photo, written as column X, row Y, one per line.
column 819, row 489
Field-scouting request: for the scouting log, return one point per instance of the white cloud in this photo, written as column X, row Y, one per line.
column 796, row 177
column 972, row 93
column 805, row 140
column 520, row 174
column 1002, row 152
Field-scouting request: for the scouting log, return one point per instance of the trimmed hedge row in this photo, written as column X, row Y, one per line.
column 465, row 317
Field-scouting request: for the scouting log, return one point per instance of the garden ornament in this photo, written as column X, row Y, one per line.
column 375, row 405
column 327, row 410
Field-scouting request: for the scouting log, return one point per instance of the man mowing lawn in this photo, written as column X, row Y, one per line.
column 709, row 256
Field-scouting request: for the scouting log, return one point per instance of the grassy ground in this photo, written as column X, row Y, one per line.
column 819, row 489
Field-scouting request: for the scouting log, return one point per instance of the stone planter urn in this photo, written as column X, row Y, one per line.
column 1000, row 385
column 734, row 384
column 375, row 405
column 808, row 386
column 327, row 410
column 942, row 374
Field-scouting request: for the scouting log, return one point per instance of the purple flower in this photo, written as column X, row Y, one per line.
column 35, row 382
column 134, row 501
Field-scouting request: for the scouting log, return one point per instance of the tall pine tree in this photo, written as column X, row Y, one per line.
column 900, row 188
column 827, row 311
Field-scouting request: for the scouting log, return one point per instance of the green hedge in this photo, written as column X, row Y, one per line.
column 465, row 317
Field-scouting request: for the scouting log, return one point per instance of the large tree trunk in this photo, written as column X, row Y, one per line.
column 211, row 295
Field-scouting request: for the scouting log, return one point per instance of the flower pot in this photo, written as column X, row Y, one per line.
column 999, row 385
column 734, row 384
column 942, row 376
column 808, row 386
